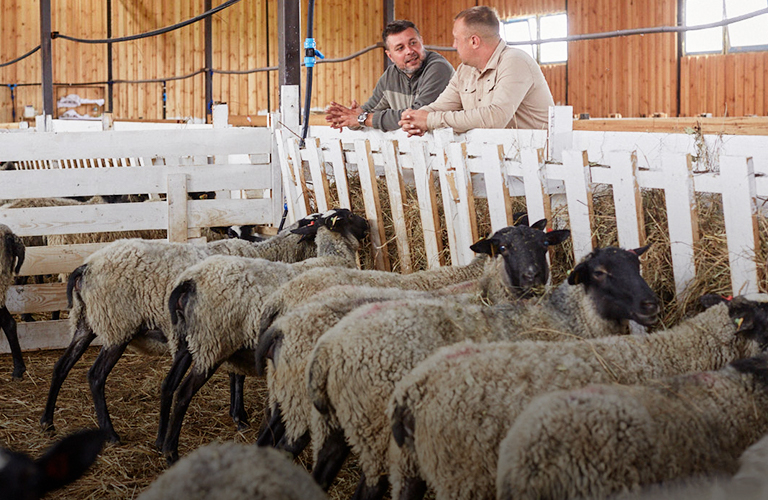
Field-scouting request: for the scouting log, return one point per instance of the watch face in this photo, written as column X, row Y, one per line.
column 361, row 117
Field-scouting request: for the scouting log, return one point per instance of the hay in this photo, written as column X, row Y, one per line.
column 123, row 471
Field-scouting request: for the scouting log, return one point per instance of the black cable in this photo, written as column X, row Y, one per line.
column 159, row 31
column 309, row 55
column 2, row 65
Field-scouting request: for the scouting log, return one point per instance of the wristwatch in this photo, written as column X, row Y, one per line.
column 361, row 118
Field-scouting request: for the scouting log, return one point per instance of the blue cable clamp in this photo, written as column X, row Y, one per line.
column 311, row 54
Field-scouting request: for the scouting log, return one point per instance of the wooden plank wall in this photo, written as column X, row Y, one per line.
column 635, row 76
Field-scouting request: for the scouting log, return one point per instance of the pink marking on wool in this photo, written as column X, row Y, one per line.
column 378, row 306
column 463, row 352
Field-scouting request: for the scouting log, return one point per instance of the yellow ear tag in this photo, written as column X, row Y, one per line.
column 738, row 322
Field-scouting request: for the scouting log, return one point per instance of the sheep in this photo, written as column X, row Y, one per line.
column 23, row 478
column 234, row 471
column 136, row 311
column 523, row 252
column 215, row 308
column 609, row 439
column 12, row 253
column 524, row 248
column 478, row 390
column 353, row 369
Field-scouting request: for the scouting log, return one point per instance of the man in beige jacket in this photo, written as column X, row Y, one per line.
column 496, row 86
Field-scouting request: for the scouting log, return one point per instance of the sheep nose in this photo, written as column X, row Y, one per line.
column 528, row 277
column 649, row 307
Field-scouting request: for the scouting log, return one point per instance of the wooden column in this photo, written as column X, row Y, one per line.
column 45, row 54
column 208, row 63
column 289, row 60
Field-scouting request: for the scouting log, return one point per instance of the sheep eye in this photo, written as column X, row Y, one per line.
column 502, row 248
column 599, row 275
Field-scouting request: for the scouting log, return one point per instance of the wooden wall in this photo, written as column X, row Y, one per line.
column 634, row 76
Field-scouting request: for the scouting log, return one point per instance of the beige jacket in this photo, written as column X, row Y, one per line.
column 510, row 92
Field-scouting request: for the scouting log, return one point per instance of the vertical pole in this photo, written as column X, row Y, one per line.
column 289, row 60
column 45, row 51
column 110, row 85
column 208, row 63
column 389, row 16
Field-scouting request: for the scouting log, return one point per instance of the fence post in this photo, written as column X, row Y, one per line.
column 578, row 192
column 336, row 157
column 681, row 217
column 177, row 207
column 560, row 132
column 370, row 189
column 535, row 182
column 466, row 216
column 496, row 191
column 396, row 187
column 317, row 170
column 424, row 178
column 737, row 175
column 278, row 180
column 627, row 199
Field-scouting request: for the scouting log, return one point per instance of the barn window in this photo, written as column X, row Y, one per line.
column 749, row 34
column 539, row 28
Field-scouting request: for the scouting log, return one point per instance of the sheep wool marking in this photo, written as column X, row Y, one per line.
column 135, row 312
column 607, row 439
column 479, row 389
column 12, row 253
column 355, row 365
column 216, row 306
column 234, row 471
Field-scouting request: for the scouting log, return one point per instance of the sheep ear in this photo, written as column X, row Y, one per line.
column 68, row 459
column 486, row 246
column 577, row 275
column 640, row 251
column 557, row 237
column 541, row 225
column 520, row 219
column 711, row 299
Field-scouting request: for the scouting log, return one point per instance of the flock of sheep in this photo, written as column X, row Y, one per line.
column 476, row 381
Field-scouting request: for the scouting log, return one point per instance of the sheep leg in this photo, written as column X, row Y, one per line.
column 236, row 404
column 413, row 488
column 294, row 447
column 273, row 431
column 181, row 363
column 333, row 452
column 376, row 492
column 80, row 342
column 9, row 327
column 97, row 379
column 188, row 388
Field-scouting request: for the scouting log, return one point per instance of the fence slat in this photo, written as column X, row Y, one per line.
column 499, row 204
column 370, row 189
column 740, row 213
column 627, row 199
column 177, row 207
column 302, row 193
column 336, row 158
column 317, row 171
column 37, row 298
column 681, row 216
column 56, row 259
column 578, row 192
column 424, row 178
column 396, row 188
column 466, row 232
column 536, row 198
column 39, row 335
column 289, row 183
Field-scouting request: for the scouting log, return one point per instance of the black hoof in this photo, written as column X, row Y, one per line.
column 113, row 438
column 242, row 425
column 171, row 457
column 47, row 427
column 18, row 374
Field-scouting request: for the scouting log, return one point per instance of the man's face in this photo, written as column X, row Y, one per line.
column 406, row 51
column 462, row 42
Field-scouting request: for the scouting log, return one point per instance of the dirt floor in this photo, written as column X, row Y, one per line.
column 133, row 387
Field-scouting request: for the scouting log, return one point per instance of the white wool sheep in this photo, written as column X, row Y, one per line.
column 12, row 253
column 216, row 306
column 355, row 365
column 478, row 390
column 521, row 266
column 136, row 311
column 234, row 471
column 608, row 439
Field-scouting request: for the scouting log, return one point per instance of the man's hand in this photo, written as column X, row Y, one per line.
column 341, row 116
column 413, row 121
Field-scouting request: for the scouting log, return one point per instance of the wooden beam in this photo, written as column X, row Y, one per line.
column 728, row 126
column 45, row 55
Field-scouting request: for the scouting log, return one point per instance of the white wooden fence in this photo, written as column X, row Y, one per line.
column 497, row 164
column 175, row 162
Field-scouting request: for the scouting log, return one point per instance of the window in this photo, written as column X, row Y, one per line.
column 539, row 28
column 749, row 34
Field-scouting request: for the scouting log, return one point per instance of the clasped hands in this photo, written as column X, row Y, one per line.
column 340, row 116
column 413, row 122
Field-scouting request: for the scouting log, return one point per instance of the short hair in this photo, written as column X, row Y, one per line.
column 396, row 27
column 482, row 19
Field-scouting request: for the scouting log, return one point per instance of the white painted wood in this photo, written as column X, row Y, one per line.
column 424, row 178
column 578, row 192
column 228, row 212
column 301, row 201
column 740, row 213
column 317, row 171
column 42, row 335
column 396, row 189
column 177, row 208
column 466, row 229
column 681, row 215
column 627, row 199
column 370, row 192
column 536, row 199
column 56, row 259
column 499, row 206
column 335, row 155
column 289, row 183
column 560, row 132
column 290, row 107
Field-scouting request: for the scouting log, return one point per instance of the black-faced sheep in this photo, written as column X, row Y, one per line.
column 355, row 365
column 11, row 258
column 215, row 308
column 136, row 311
column 478, row 390
column 607, row 439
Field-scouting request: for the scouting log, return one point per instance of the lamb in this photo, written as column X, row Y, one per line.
column 234, row 471
column 136, row 312
column 478, row 390
column 609, row 439
column 523, row 252
column 21, row 477
column 295, row 333
column 353, row 369
column 215, row 308
column 11, row 259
